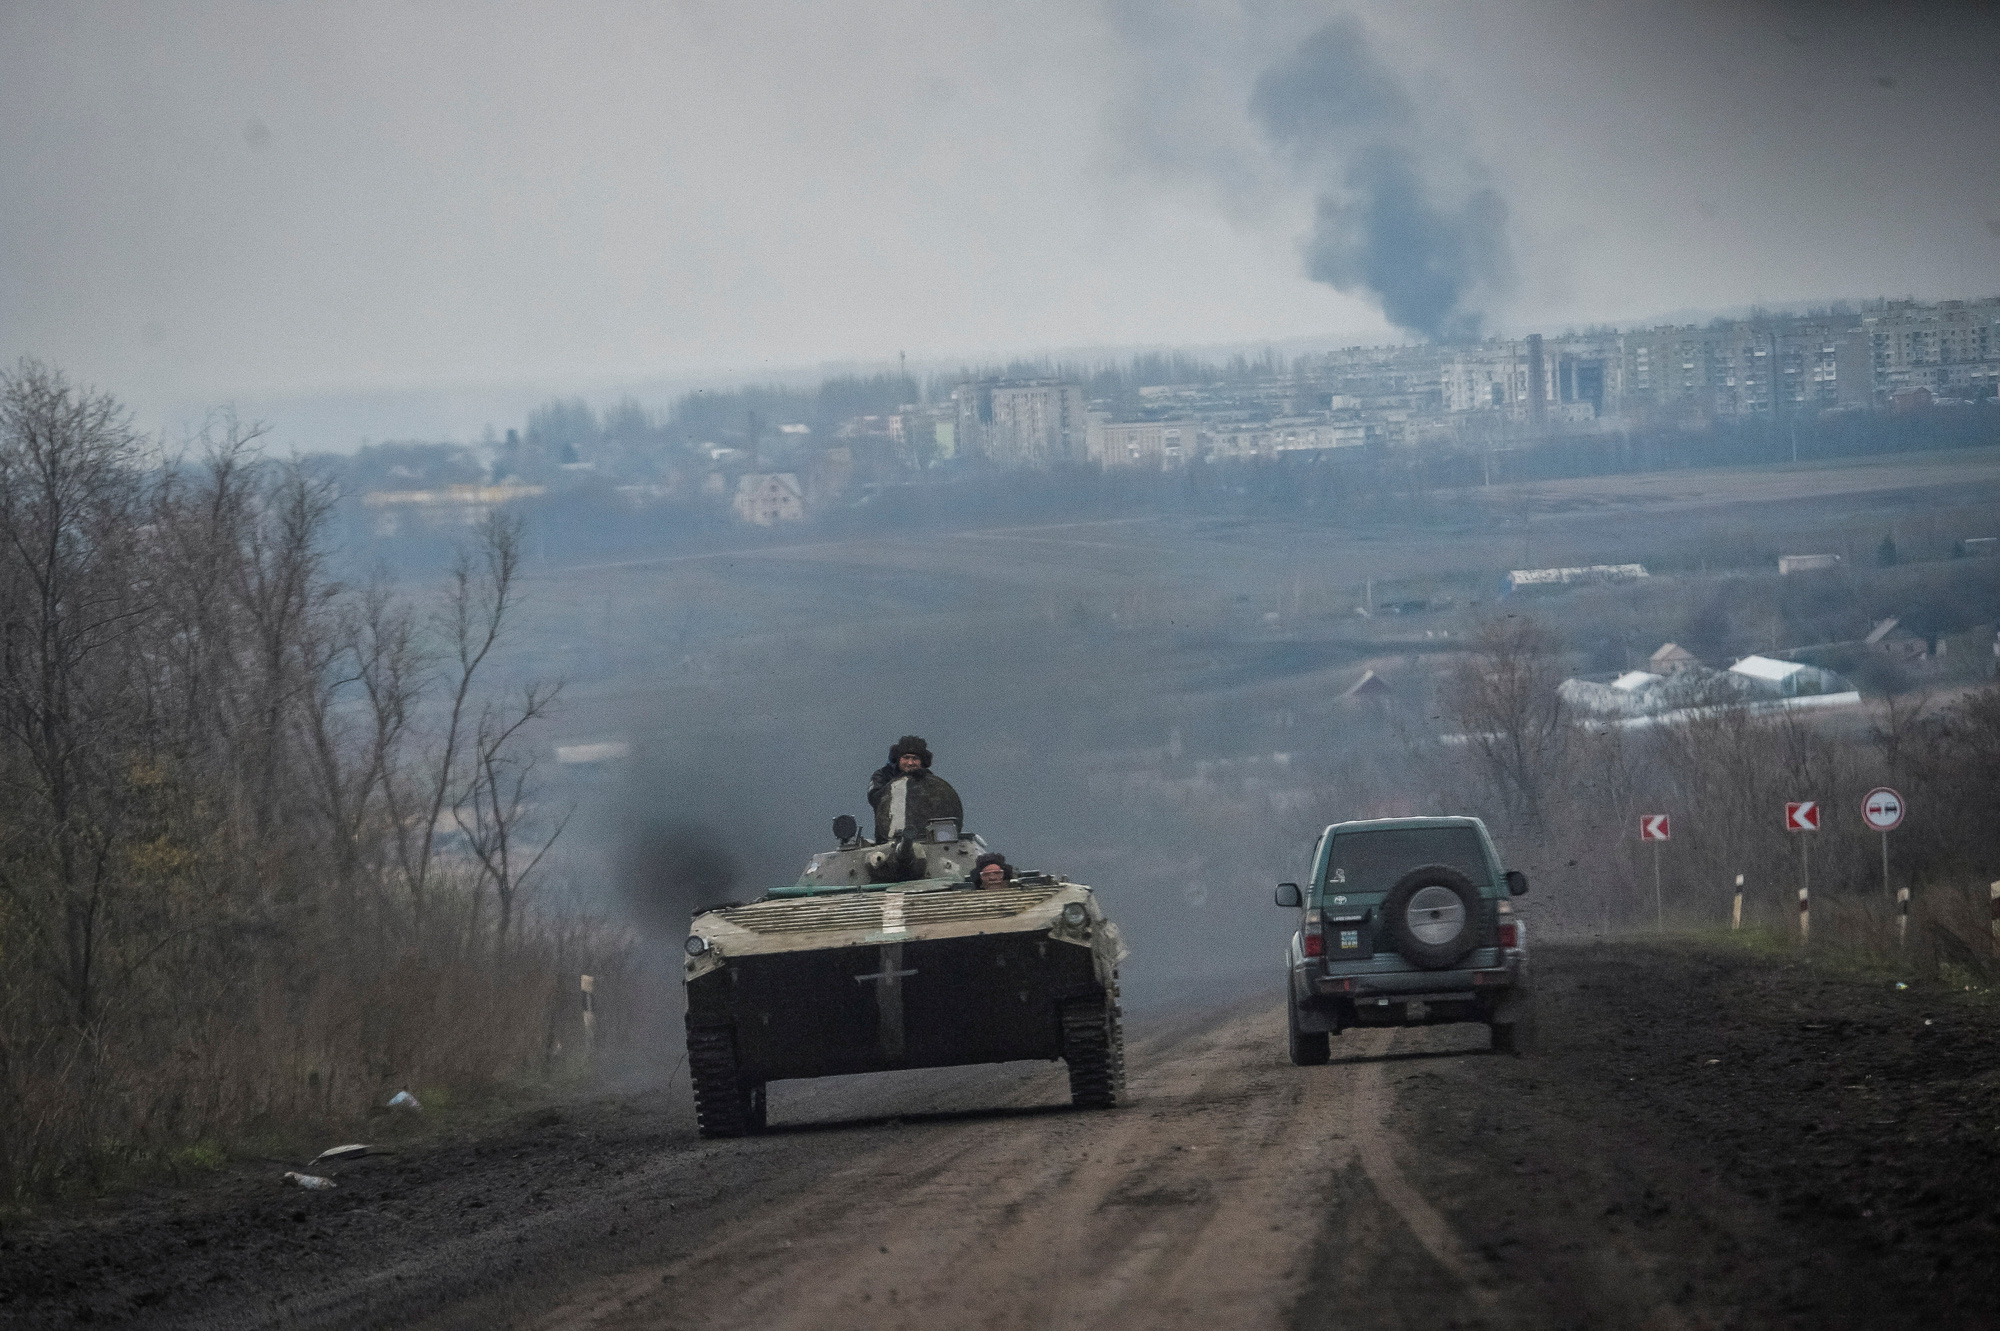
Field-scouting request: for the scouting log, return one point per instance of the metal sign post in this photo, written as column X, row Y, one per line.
column 1882, row 809
column 1655, row 827
column 1803, row 816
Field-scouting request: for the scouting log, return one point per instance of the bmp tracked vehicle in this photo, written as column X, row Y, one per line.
column 887, row 956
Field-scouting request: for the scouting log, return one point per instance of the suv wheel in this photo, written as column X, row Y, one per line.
column 1308, row 1048
column 1432, row 916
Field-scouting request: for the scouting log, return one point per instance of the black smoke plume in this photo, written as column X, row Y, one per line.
column 1381, row 227
column 672, row 869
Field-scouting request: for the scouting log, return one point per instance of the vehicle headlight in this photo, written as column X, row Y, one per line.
column 696, row 945
column 1074, row 915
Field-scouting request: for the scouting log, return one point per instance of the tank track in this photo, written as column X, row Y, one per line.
column 1094, row 1048
column 723, row 1105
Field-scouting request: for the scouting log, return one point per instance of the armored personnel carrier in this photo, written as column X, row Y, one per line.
column 888, row 956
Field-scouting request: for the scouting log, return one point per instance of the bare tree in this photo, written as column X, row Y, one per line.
column 72, row 593
column 1505, row 701
column 493, row 808
column 478, row 596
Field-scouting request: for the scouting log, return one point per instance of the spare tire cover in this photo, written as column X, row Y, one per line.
column 1431, row 916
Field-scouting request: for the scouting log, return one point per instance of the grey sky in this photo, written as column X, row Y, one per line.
column 214, row 201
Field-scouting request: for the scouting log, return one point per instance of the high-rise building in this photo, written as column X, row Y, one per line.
column 1022, row 422
column 1951, row 348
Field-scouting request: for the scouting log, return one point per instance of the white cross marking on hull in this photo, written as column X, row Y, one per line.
column 889, row 999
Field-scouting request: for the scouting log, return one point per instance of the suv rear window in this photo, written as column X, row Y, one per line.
column 1373, row 861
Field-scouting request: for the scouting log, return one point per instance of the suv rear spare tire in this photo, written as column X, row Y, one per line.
column 1431, row 916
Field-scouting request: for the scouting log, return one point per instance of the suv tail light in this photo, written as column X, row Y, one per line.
column 1315, row 943
column 1510, row 934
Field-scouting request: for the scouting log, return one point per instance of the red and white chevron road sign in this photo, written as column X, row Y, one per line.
column 1802, row 816
column 1654, row 827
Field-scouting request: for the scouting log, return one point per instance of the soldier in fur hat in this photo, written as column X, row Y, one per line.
column 906, row 795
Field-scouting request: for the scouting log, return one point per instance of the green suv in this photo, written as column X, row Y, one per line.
column 1406, row 921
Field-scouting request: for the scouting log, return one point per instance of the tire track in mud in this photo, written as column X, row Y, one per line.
column 1370, row 1103
column 1199, row 1202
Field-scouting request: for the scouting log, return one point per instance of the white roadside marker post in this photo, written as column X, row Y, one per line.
column 1994, row 891
column 1736, row 907
column 1805, row 917
column 1903, row 918
column 589, row 1017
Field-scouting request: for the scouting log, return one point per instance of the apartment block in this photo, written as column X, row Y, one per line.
column 1022, row 423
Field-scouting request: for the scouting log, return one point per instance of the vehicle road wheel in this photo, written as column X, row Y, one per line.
column 1117, row 1048
column 1432, row 916
column 1308, row 1048
column 1094, row 1048
column 723, row 1105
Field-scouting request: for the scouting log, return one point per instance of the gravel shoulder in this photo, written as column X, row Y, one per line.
column 1707, row 1137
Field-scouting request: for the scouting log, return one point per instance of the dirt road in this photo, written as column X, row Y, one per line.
column 1193, row 1207
column 1708, row 1138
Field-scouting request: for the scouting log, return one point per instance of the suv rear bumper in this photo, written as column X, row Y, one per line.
column 1330, row 1002
column 1419, row 986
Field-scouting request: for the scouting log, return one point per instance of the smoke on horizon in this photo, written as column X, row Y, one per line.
column 1396, row 217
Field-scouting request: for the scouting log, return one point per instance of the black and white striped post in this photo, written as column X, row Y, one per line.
column 1805, row 916
column 1736, row 907
column 1903, row 917
column 1993, row 893
column 589, row 1016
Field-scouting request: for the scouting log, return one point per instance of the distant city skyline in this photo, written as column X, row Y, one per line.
column 455, row 207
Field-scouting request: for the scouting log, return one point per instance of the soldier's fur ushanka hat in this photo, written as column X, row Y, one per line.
column 910, row 744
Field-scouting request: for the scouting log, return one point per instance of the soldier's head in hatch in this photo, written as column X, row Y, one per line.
column 992, row 869
column 910, row 755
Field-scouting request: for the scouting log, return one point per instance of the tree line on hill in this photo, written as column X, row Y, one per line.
column 269, row 840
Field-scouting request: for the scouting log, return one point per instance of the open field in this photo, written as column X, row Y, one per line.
column 1148, row 704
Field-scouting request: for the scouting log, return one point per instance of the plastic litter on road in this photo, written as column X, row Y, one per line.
column 310, row 1182
column 348, row 1152
column 404, row 1100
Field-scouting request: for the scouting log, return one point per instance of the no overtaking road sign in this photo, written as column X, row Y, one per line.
column 1802, row 816
column 1883, row 809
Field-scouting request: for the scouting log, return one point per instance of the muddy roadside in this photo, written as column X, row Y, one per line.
column 1709, row 1136
column 474, row 1225
column 240, row 1244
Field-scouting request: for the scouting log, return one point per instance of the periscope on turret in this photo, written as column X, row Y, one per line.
column 888, row 954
